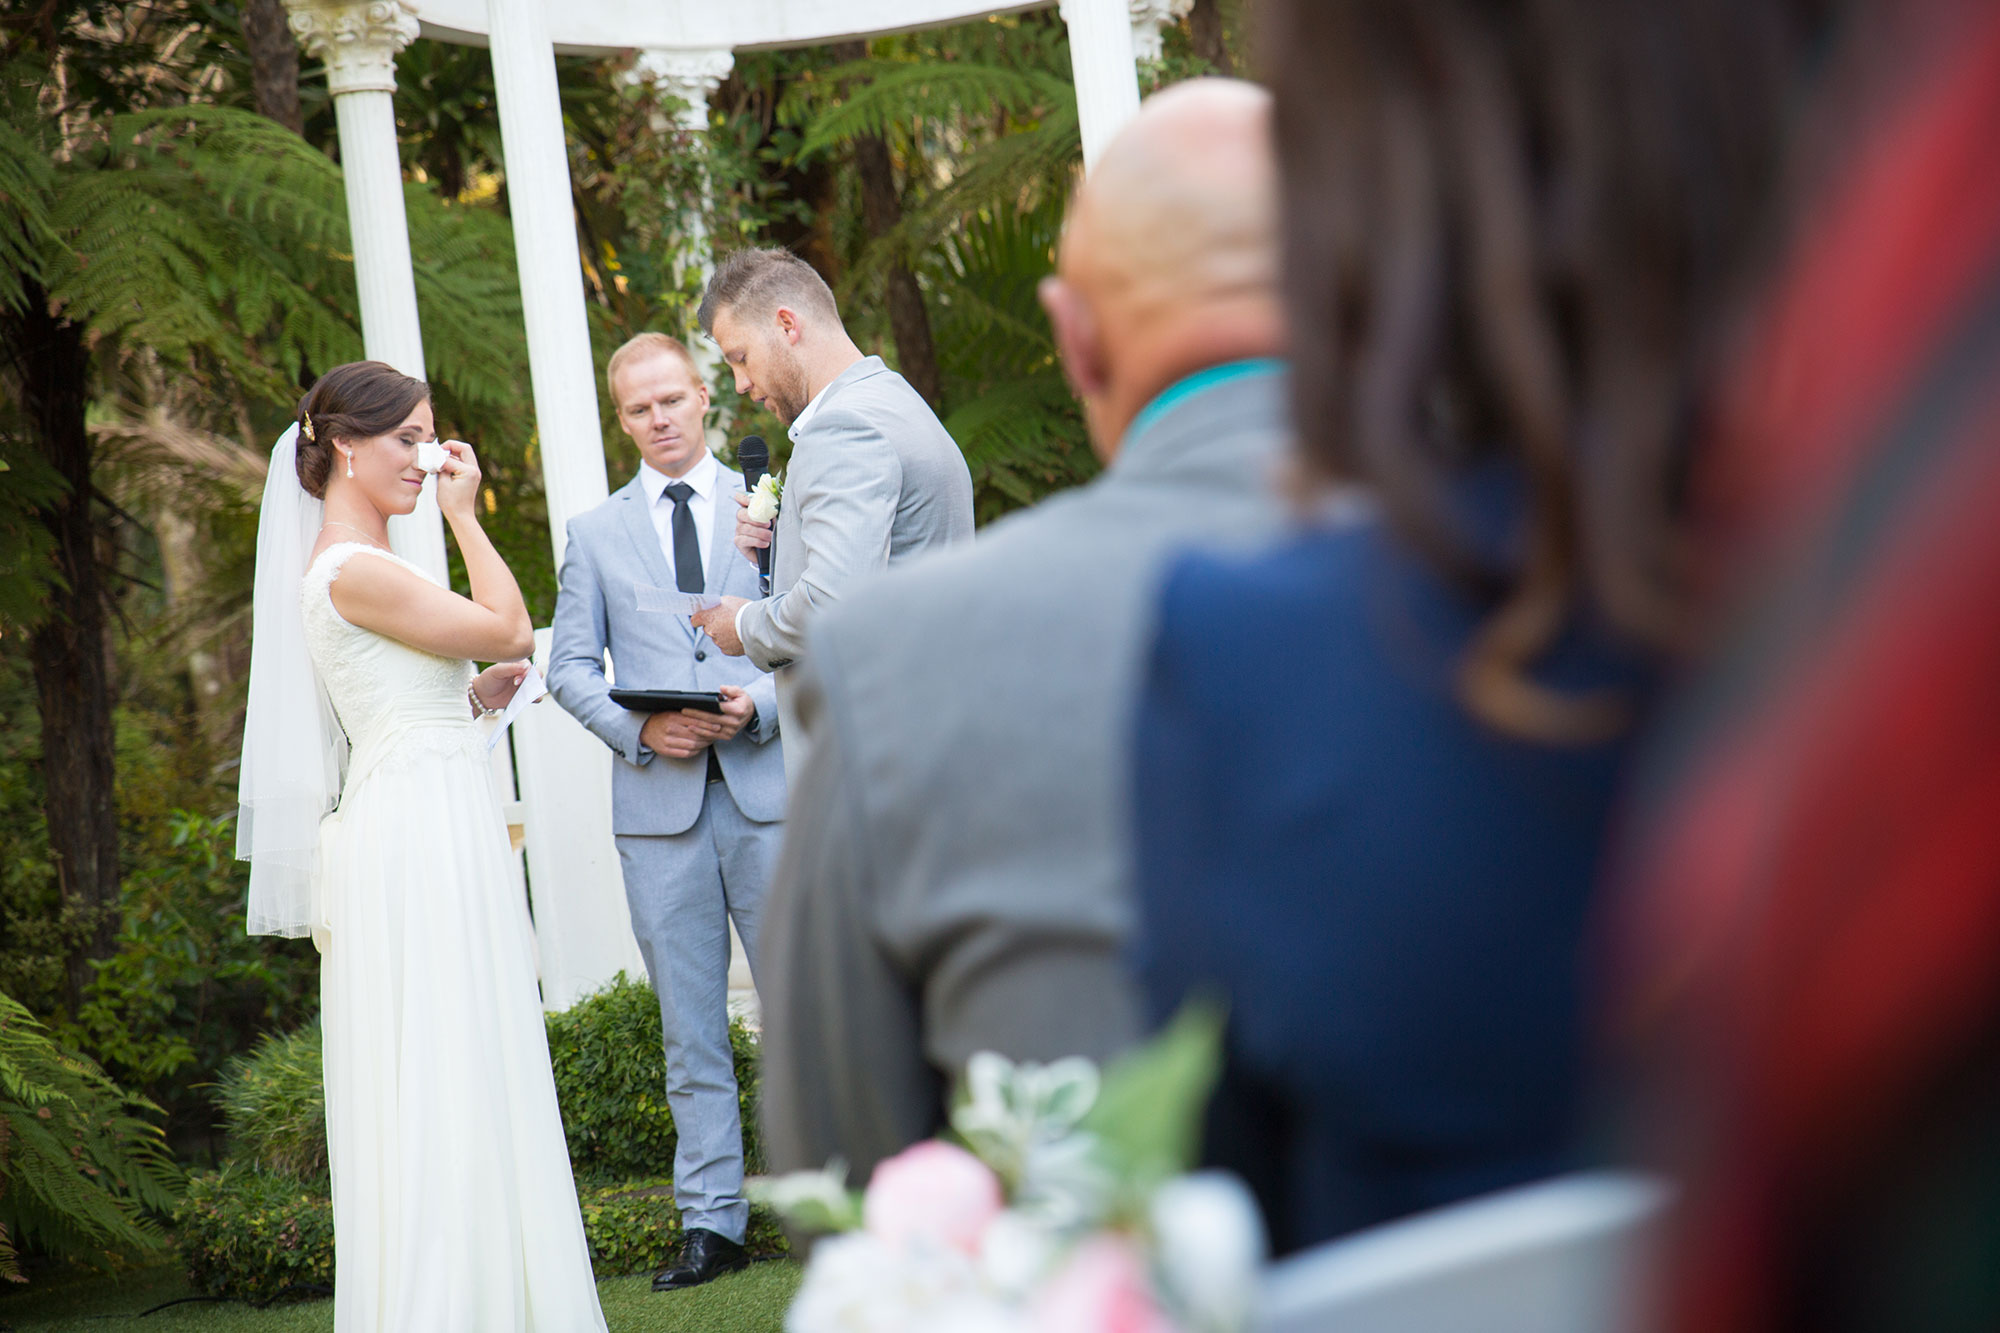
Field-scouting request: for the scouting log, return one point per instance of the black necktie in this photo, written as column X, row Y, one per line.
column 687, row 547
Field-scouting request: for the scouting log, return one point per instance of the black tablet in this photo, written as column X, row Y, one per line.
column 667, row 701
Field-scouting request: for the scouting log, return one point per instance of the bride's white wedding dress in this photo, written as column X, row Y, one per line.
column 453, row 1205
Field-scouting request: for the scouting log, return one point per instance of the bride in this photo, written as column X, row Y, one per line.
column 454, row 1209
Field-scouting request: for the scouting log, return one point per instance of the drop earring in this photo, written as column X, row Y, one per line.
column 350, row 465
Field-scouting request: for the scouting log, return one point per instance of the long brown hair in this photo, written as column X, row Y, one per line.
column 1512, row 230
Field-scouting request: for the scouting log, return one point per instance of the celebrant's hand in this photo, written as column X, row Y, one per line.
column 496, row 685
column 737, row 711
column 719, row 624
column 751, row 534
column 458, row 483
column 679, row 735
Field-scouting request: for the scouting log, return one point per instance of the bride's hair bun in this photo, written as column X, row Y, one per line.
column 357, row 401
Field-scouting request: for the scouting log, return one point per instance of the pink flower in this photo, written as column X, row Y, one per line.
column 934, row 1192
column 1102, row 1289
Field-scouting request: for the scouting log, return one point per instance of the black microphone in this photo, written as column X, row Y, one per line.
column 755, row 457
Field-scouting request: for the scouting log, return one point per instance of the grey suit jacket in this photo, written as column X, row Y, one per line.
column 873, row 480
column 612, row 558
column 956, row 874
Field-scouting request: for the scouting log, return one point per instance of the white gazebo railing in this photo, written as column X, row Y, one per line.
column 687, row 46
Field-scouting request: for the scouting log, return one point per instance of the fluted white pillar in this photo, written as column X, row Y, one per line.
column 582, row 928
column 358, row 43
column 692, row 75
column 545, row 249
column 1101, row 65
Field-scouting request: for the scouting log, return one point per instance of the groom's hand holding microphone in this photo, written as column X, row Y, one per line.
column 753, row 538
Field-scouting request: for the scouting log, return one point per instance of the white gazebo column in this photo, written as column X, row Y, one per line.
column 1101, row 65
column 583, row 932
column 560, row 368
column 1148, row 17
column 691, row 75
column 358, row 43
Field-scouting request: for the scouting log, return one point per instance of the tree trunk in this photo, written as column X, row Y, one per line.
column 72, row 677
column 881, row 211
column 1205, row 25
column 274, row 62
column 909, row 322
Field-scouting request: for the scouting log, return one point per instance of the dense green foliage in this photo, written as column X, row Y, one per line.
column 610, row 1072
column 275, row 1102
column 82, row 1163
column 256, row 1234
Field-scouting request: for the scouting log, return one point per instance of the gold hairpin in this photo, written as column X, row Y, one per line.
column 307, row 431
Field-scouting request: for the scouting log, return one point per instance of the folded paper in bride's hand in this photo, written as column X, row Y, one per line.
column 533, row 690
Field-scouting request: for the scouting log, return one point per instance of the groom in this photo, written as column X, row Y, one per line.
column 697, row 797
column 874, row 478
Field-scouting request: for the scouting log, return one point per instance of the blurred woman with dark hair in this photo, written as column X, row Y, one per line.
column 1513, row 232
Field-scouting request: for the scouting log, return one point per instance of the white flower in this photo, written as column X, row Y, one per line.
column 1209, row 1245
column 430, row 455
column 858, row 1284
column 1015, row 1253
column 764, row 499
column 1007, row 1110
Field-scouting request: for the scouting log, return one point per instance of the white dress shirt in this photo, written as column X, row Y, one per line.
column 703, row 477
column 805, row 414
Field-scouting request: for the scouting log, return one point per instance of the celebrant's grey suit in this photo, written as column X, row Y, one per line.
column 873, row 480
column 696, row 854
column 956, row 872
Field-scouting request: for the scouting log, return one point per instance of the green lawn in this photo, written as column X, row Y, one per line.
column 748, row 1302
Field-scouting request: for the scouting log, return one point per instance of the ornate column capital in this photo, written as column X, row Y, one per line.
column 356, row 39
column 690, row 73
column 1148, row 17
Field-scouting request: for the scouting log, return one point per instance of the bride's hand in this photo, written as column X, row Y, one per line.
column 458, row 481
column 496, row 685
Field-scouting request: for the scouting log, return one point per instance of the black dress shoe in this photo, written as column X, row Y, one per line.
column 705, row 1256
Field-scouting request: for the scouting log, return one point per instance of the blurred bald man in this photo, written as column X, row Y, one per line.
column 956, row 872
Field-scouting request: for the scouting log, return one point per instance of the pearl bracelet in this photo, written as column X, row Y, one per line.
column 478, row 705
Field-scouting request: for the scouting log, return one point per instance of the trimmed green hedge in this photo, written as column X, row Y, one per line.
column 264, row 1224
column 611, row 1072
column 255, row 1235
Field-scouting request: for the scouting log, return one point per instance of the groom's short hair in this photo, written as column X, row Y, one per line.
column 754, row 283
column 640, row 347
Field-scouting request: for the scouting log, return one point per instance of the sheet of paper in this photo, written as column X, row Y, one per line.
column 671, row 601
column 533, row 690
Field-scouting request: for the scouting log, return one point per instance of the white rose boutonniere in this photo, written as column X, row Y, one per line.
column 764, row 499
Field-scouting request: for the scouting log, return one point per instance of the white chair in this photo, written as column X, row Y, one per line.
column 1563, row 1256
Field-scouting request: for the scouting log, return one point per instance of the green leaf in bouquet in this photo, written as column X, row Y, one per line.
column 1148, row 1114
column 813, row 1201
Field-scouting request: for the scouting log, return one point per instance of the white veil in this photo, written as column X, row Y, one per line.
column 293, row 750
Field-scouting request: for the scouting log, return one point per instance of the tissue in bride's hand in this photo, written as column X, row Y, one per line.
column 430, row 455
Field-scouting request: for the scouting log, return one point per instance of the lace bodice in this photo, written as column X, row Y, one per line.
column 374, row 681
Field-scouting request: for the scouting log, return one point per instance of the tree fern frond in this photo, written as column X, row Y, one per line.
column 883, row 95
column 26, row 183
column 82, row 1165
